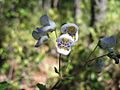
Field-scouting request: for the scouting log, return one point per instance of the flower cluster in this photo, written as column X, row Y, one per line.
column 64, row 42
column 107, row 43
column 67, row 39
column 41, row 34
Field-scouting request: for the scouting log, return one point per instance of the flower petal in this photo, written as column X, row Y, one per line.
column 41, row 32
column 49, row 28
column 41, row 41
column 107, row 42
column 63, row 51
column 48, row 25
column 71, row 29
column 45, row 20
column 76, row 36
column 64, row 43
column 36, row 35
column 66, row 36
column 52, row 24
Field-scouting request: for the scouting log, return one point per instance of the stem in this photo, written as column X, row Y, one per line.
column 56, row 34
column 56, row 84
column 10, row 72
column 96, row 58
column 68, row 64
column 59, row 57
column 92, row 52
column 59, row 65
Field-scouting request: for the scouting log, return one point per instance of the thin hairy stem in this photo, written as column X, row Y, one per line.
column 68, row 63
column 96, row 58
column 59, row 65
column 56, row 34
column 92, row 52
column 56, row 84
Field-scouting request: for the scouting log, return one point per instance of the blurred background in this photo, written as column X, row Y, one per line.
column 23, row 66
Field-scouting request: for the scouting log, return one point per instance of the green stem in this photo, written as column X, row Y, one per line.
column 59, row 58
column 56, row 84
column 56, row 34
column 68, row 64
column 92, row 52
column 59, row 65
column 96, row 58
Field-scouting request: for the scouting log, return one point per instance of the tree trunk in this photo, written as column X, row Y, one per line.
column 46, row 4
column 98, row 9
column 77, row 12
column 54, row 3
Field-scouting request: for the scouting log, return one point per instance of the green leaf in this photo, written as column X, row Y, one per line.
column 56, row 70
column 3, row 85
column 41, row 86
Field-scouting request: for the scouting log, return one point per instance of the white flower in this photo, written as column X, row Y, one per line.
column 71, row 29
column 107, row 43
column 64, row 43
column 48, row 25
column 41, row 41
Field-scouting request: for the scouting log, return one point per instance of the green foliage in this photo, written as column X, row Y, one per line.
column 3, row 85
column 18, row 18
column 41, row 86
column 56, row 70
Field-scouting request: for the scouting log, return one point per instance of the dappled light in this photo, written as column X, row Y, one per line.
column 59, row 44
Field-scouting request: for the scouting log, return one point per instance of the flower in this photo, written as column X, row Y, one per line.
column 71, row 29
column 35, row 35
column 64, row 43
column 41, row 40
column 41, row 34
column 48, row 25
column 107, row 43
column 38, row 33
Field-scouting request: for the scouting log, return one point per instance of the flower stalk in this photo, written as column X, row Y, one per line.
column 96, row 58
column 60, row 65
column 92, row 52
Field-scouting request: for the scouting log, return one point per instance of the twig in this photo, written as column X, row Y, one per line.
column 56, row 84
column 60, row 65
column 10, row 73
column 56, row 34
column 68, row 63
column 96, row 58
column 92, row 51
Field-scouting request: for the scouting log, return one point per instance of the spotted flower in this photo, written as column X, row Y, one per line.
column 107, row 43
column 71, row 29
column 64, row 43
